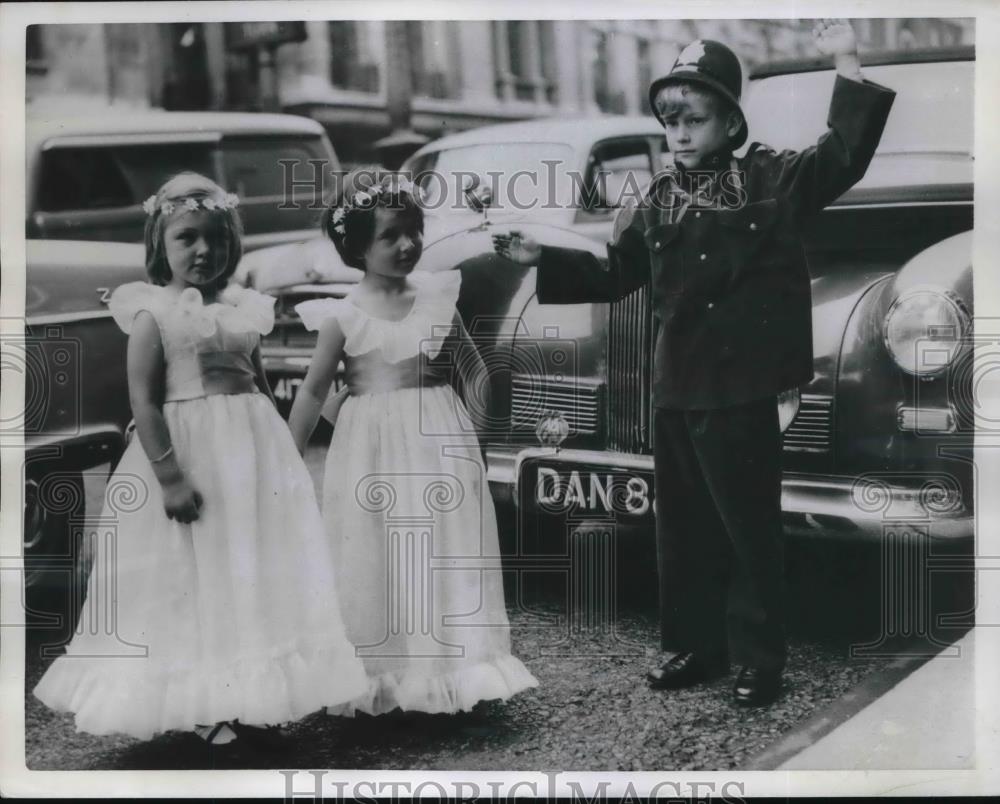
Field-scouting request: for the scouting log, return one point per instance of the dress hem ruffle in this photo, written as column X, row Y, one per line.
column 142, row 704
column 496, row 679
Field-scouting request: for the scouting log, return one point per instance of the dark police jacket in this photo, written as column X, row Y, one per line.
column 730, row 286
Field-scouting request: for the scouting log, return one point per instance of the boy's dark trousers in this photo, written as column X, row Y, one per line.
column 718, row 532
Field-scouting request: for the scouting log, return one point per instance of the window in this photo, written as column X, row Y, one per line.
column 34, row 50
column 645, row 64
column 431, row 45
column 620, row 170
column 252, row 165
column 524, row 55
column 601, row 70
column 107, row 177
column 352, row 65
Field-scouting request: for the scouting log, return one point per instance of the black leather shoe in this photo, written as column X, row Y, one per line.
column 756, row 687
column 684, row 670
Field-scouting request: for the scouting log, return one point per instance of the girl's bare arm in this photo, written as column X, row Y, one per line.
column 473, row 376
column 316, row 386
column 146, row 369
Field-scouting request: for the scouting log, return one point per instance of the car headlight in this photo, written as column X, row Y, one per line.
column 925, row 329
column 788, row 406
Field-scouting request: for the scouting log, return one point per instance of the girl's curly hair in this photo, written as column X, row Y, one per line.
column 349, row 219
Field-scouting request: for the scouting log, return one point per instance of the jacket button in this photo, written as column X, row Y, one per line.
column 753, row 227
column 697, row 214
column 704, row 257
column 656, row 244
column 711, row 305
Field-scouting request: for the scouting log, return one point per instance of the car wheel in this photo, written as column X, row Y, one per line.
column 56, row 559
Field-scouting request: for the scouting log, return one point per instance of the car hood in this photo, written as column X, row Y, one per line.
column 947, row 264
column 67, row 276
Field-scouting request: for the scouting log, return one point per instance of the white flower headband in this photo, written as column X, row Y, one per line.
column 228, row 201
column 367, row 198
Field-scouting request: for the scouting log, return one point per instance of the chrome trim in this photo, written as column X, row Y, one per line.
column 578, row 399
column 812, row 506
column 34, row 516
column 111, row 140
column 811, row 429
column 65, row 318
column 826, row 504
column 630, row 342
column 888, row 205
column 919, row 414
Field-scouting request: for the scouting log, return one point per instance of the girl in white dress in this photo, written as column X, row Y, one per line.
column 405, row 497
column 216, row 608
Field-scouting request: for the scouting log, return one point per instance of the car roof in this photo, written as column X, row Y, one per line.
column 872, row 59
column 155, row 121
column 578, row 132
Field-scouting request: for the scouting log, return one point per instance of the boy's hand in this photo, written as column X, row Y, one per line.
column 835, row 37
column 517, row 247
column 181, row 501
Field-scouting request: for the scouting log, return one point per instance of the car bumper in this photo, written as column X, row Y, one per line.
column 813, row 506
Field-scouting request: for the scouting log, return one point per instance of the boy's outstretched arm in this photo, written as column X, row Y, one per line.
column 815, row 177
column 572, row 276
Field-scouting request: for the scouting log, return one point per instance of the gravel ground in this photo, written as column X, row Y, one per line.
column 592, row 711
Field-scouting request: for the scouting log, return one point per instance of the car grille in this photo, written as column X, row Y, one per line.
column 289, row 333
column 576, row 398
column 630, row 360
column 811, row 429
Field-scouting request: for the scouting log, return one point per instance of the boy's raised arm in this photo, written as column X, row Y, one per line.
column 814, row 177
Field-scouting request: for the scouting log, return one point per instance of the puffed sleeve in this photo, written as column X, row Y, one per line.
column 314, row 312
column 433, row 314
column 254, row 310
column 128, row 300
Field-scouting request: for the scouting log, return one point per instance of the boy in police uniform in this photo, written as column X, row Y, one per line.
column 718, row 240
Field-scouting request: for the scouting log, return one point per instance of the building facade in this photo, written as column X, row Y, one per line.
column 442, row 76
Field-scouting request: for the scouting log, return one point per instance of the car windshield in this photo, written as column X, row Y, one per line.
column 520, row 175
column 931, row 121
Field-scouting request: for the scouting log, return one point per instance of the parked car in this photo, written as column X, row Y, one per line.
column 87, row 176
column 568, row 173
column 76, row 411
column 879, row 439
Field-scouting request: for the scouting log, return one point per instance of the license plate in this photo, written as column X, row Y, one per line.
column 285, row 388
column 582, row 491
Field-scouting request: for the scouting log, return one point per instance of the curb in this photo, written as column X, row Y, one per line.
column 810, row 731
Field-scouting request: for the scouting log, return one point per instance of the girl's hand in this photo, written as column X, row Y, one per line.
column 517, row 247
column 835, row 37
column 181, row 501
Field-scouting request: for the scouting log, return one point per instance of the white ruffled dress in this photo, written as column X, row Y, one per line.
column 233, row 616
column 409, row 514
